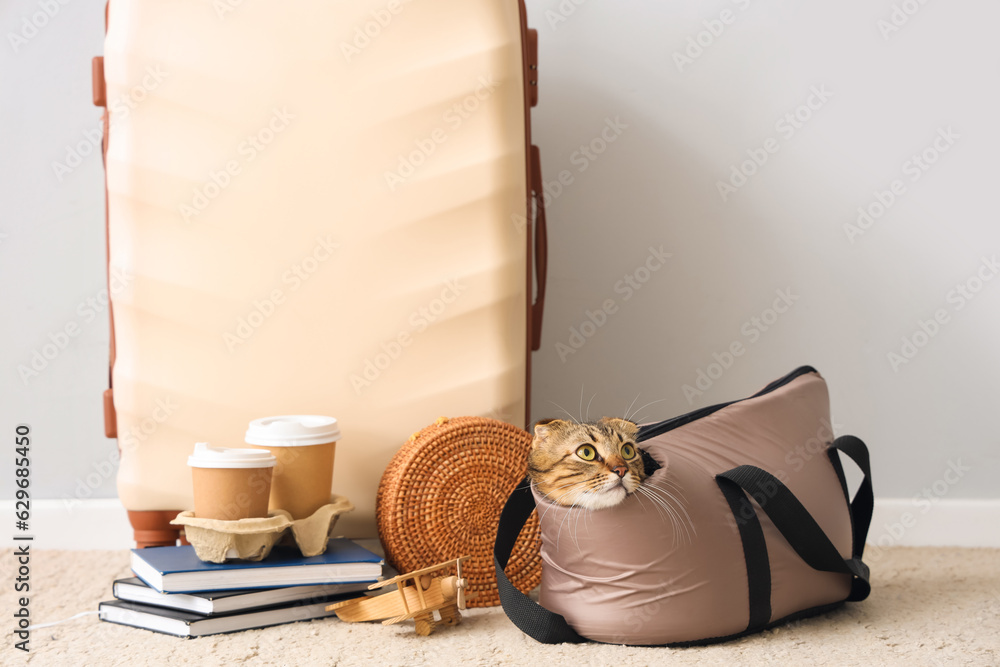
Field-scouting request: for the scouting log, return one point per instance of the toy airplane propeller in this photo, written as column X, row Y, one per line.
column 418, row 595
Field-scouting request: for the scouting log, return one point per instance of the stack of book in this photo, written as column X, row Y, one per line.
column 176, row 593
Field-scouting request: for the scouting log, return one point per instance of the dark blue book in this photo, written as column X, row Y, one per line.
column 179, row 570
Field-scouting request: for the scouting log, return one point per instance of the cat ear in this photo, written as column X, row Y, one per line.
column 546, row 427
column 620, row 424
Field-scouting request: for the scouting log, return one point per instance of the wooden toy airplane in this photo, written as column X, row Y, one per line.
column 419, row 594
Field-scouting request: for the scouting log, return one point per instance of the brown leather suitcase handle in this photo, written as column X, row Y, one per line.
column 97, row 81
column 541, row 248
column 531, row 72
column 100, row 93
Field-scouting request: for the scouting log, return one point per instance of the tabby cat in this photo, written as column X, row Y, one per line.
column 592, row 465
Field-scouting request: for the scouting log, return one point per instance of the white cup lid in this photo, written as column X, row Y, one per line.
column 292, row 431
column 205, row 456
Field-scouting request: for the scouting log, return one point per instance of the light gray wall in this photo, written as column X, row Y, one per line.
column 654, row 185
column 784, row 229
column 52, row 249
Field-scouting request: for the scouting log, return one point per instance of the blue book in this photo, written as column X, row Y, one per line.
column 179, row 570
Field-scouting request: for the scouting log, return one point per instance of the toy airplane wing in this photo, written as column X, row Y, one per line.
column 416, row 573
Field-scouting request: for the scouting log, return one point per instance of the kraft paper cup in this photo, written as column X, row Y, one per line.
column 230, row 484
column 304, row 447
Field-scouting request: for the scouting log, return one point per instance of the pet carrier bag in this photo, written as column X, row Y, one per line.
column 760, row 530
column 320, row 208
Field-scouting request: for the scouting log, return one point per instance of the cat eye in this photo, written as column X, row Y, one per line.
column 628, row 451
column 586, row 452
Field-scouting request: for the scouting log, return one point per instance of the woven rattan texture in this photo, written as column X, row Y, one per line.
column 441, row 497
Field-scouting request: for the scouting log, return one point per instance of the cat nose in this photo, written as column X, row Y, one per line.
column 620, row 471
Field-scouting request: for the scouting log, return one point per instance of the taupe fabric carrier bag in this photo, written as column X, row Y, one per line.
column 765, row 530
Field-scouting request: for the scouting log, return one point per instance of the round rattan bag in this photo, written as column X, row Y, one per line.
column 441, row 498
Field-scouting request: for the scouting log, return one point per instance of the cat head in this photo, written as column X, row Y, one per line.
column 591, row 465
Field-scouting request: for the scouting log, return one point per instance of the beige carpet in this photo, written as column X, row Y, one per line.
column 928, row 607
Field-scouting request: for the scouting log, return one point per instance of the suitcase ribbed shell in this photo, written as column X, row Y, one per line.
column 312, row 220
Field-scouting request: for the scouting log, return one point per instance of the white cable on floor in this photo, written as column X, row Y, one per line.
column 39, row 626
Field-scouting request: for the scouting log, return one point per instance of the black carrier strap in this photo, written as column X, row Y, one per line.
column 781, row 506
column 864, row 500
column 532, row 618
column 797, row 526
column 754, row 553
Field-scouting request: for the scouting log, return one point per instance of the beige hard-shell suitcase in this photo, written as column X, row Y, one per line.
column 322, row 208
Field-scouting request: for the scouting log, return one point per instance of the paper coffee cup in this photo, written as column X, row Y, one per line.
column 304, row 446
column 230, row 484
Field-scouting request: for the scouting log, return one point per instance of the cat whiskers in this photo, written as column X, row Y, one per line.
column 638, row 410
column 569, row 512
column 673, row 505
column 552, row 501
column 669, row 489
column 661, row 505
column 573, row 527
column 574, row 531
column 629, row 408
column 586, row 513
column 575, row 420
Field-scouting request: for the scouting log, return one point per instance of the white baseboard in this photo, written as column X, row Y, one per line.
column 945, row 522
column 103, row 524
column 100, row 523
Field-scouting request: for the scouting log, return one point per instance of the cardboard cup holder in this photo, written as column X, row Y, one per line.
column 218, row 541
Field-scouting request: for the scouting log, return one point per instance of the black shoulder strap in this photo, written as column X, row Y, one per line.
column 532, row 618
column 754, row 554
column 797, row 526
column 864, row 500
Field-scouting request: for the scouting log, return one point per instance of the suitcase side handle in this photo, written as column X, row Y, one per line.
column 541, row 248
column 531, row 66
column 100, row 95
